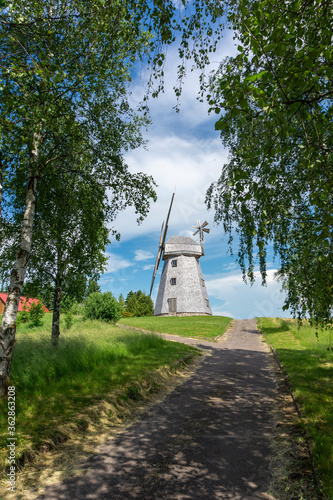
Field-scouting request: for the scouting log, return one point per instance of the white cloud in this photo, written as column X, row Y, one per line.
column 190, row 166
column 148, row 267
column 192, row 112
column 245, row 301
column 231, row 266
column 218, row 312
column 143, row 255
column 116, row 262
column 183, row 151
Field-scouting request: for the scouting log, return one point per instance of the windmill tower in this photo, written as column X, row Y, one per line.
column 182, row 290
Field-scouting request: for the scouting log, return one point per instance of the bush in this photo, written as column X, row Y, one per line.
column 22, row 317
column 102, row 306
column 67, row 303
column 36, row 313
column 139, row 304
column 76, row 308
column 69, row 320
column 126, row 314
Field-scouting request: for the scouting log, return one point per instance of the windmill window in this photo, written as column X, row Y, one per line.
column 207, row 302
column 173, row 281
column 202, row 282
column 174, row 263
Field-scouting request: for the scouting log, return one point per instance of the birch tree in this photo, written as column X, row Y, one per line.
column 60, row 64
column 70, row 238
column 274, row 98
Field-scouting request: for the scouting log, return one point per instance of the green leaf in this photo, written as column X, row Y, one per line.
column 220, row 124
column 253, row 78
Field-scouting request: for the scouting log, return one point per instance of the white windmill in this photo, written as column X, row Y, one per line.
column 182, row 290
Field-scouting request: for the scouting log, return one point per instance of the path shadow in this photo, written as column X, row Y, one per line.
column 209, row 439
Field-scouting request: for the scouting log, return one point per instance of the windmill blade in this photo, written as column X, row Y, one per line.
column 161, row 245
column 157, row 263
column 206, row 230
column 167, row 221
column 158, row 258
column 205, row 224
column 196, row 232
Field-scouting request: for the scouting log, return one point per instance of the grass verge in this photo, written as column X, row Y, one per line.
column 308, row 360
column 95, row 364
column 197, row 327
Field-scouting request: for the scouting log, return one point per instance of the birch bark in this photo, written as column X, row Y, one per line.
column 1, row 187
column 56, row 314
column 8, row 324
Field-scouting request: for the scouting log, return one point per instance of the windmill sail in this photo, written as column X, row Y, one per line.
column 161, row 244
column 158, row 258
column 201, row 229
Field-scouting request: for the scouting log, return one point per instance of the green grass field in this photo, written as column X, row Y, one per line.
column 93, row 361
column 198, row 327
column 308, row 360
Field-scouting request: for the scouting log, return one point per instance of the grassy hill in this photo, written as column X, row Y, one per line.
column 199, row 327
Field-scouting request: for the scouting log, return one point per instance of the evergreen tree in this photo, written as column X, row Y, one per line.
column 139, row 304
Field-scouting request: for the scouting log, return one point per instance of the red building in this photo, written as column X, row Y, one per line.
column 24, row 304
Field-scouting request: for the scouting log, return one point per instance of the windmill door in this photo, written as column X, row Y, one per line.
column 172, row 305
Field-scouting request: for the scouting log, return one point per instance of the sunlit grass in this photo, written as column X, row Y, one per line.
column 93, row 360
column 199, row 327
column 308, row 360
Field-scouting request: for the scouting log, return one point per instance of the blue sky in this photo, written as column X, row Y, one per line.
column 184, row 153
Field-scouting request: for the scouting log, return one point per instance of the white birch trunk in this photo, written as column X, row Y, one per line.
column 56, row 314
column 1, row 188
column 8, row 324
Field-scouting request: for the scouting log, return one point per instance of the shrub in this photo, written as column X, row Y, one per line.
column 126, row 314
column 102, row 306
column 69, row 320
column 36, row 313
column 67, row 303
column 22, row 317
column 139, row 304
column 76, row 308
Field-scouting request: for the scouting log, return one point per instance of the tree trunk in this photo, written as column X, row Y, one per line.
column 8, row 324
column 56, row 314
column 1, row 188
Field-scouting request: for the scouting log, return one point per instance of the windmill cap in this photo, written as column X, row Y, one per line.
column 181, row 245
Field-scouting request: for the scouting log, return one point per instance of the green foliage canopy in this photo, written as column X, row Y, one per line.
column 92, row 287
column 274, row 99
column 103, row 306
column 36, row 313
column 139, row 304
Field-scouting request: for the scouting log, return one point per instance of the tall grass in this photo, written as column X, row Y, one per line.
column 95, row 346
column 307, row 357
column 93, row 360
column 200, row 327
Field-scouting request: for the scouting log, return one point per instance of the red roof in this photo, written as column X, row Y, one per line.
column 24, row 301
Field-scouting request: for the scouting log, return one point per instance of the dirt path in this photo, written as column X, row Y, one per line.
column 209, row 439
